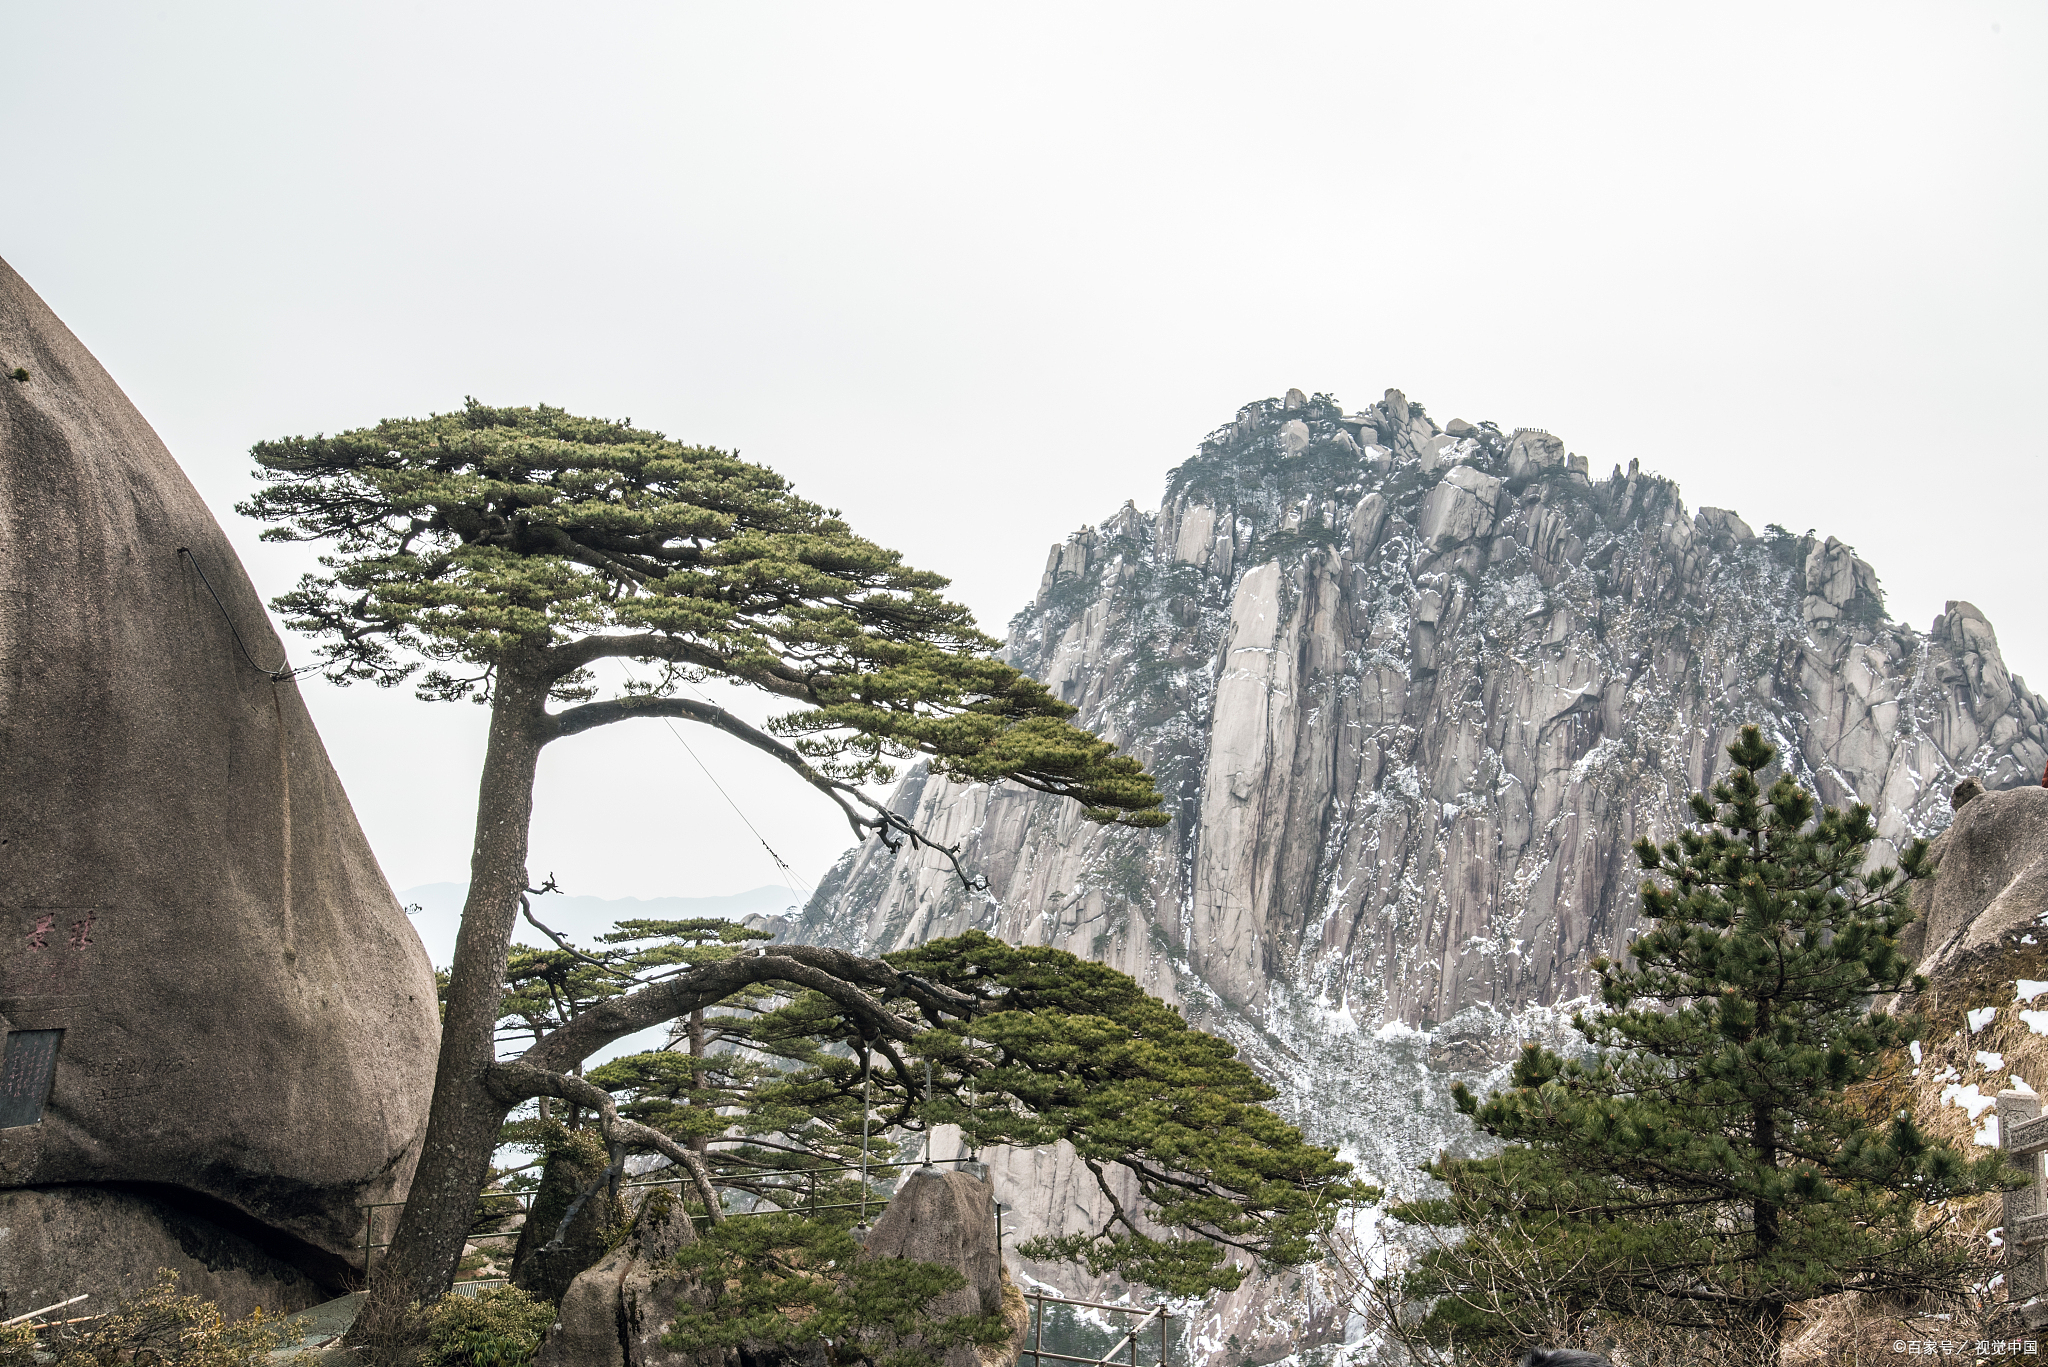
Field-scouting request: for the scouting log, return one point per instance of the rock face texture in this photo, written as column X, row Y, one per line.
column 615, row 1313
column 548, row 1256
column 51, row 1234
column 212, row 1000
column 949, row 1218
column 1991, row 879
column 1412, row 694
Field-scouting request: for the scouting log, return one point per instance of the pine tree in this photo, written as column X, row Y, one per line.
column 789, row 1095
column 1707, row 1165
column 526, row 558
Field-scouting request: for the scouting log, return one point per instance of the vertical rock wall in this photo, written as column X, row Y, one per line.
column 1412, row 693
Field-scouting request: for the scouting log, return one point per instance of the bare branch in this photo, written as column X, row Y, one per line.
column 505, row 1079
column 862, row 813
column 527, row 907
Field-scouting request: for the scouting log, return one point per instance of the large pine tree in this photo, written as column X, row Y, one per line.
column 1707, row 1164
column 574, row 573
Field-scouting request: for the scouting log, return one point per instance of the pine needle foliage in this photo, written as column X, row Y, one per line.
column 781, row 1281
column 500, row 1326
column 491, row 540
column 1055, row 1049
column 1072, row 1050
column 574, row 573
column 1706, row 1165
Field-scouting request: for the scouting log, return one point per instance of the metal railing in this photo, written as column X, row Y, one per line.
column 522, row 1201
column 1147, row 1314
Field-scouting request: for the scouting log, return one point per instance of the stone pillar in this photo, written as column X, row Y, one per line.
column 2023, row 1134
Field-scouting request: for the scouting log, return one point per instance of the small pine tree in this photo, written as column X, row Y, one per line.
column 1707, row 1165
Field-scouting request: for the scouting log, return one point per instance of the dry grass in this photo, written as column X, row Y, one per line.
column 1852, row 1331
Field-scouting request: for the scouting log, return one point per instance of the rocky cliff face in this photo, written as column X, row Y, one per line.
column 1413, row 691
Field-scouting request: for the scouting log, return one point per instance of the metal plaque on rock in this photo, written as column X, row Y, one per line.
column 26, row 1066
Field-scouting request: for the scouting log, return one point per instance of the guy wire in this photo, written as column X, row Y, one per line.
column 278, row 675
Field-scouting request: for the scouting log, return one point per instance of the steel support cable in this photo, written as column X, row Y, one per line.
column 788, row 874
column 278, row 675
column 796, row 884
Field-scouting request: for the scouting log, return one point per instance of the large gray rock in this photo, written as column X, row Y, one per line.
column 248, row 1023
column 1720, row 525
column 1460, row 508
column 1991, row 878
column 616, row 1312
column 948, row 1218
column 1837, row 583
column 51, row 1239
column 1531, row 450
column 571, row 1221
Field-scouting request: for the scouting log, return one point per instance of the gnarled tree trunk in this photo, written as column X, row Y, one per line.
column 463, row 1123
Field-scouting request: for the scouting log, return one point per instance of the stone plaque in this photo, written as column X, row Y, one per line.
column 2026, row 1258
column 26, row 1065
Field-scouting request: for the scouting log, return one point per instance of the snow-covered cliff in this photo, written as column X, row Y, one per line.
column 1412, row 692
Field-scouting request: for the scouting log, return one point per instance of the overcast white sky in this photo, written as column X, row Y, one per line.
column 977, row 274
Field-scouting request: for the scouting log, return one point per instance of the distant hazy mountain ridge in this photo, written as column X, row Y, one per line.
column 1412, row 693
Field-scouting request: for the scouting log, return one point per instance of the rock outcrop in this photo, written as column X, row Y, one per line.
column 1990, row 880
column 1412, row 694
column 1983, row 926
column 47, row 1236
column 212, row 1000
column 948, row 1218
column 615, row 1313
column 571, row 1221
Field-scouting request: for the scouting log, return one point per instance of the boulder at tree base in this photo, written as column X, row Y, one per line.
column 248, row 1023
column 616, row 1313
column 949, row 1218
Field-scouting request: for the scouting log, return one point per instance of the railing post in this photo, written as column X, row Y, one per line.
column 866, row 1109
column 2023, row 1134
column 1038, row 1335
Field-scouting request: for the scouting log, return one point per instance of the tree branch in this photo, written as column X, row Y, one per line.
column 521, row 1081
column 859, row 985
column 526, row 906
column 649, row 645
column 862, row 813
